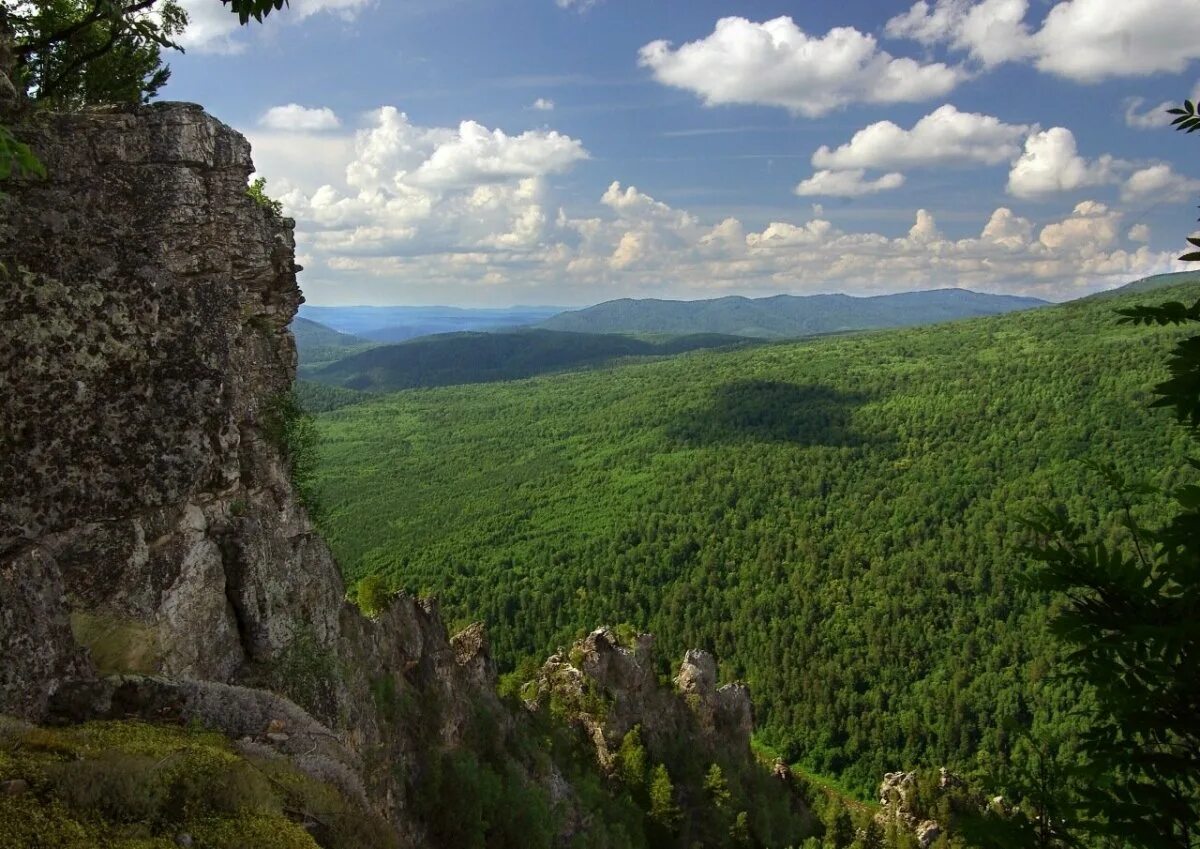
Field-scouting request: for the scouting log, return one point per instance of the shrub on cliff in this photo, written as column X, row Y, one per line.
column 292, row 431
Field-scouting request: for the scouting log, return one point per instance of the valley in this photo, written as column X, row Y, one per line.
column 839, row 520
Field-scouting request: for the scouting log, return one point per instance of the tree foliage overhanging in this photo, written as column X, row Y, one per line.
column 1131, row 621
column 72, row 53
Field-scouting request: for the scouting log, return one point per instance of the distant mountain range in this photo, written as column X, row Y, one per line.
column 452, row 358
column 786, row 316
column 397, row 324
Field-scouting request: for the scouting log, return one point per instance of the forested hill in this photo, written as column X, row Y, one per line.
column 450, row 358
column 1158, row 281
column 316, row 343
column 838, row 518
column 786, row 316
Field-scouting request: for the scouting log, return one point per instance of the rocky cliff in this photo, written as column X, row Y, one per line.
column 156, row 562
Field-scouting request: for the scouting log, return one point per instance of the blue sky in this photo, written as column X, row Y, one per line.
column 478, row 152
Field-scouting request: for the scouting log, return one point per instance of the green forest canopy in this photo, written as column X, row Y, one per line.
column 837, row 519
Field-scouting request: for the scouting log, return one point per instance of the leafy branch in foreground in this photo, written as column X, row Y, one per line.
column 257, row 9
column 72, row 53
column 1188, row 119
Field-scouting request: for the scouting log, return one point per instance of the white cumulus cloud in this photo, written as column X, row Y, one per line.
column 847, row 184
column 411, row 190
column 543, row 104
column 1159, row 183
column 992, row 31
column 400, row 212
column 1082, row 40
column 1090, row 228
column 479, row 155
column 944, row 136
column 1090, row 40
column 293, row 116
column 1153, row 117
column 775, row 63
column 1051, row 163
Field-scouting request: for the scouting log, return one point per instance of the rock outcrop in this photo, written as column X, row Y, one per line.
column 908, row 802
column 608, row 688
column 144, row 347
column 725, row 713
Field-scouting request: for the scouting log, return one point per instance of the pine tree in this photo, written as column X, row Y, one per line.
column 631, row 760
column 663, row 809
column 716, row 787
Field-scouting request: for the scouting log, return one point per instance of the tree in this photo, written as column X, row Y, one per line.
column 71, row 53
column 739, row 832
column 373, row 595
column 257, row 192
column 663, row 809
column 1132, row 622
column 873, row 836
column 631, row 759
column 839, row 827
column 717, row 787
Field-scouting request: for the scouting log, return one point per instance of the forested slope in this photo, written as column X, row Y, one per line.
column 837, row 519
column 316, row 343
column 446, row 359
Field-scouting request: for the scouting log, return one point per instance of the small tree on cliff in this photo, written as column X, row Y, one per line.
column 663, row 808
column 72, row 53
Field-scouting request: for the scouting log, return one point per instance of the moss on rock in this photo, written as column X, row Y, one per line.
column 134, row 784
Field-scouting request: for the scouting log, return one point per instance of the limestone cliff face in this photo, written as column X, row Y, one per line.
column 143, row 336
